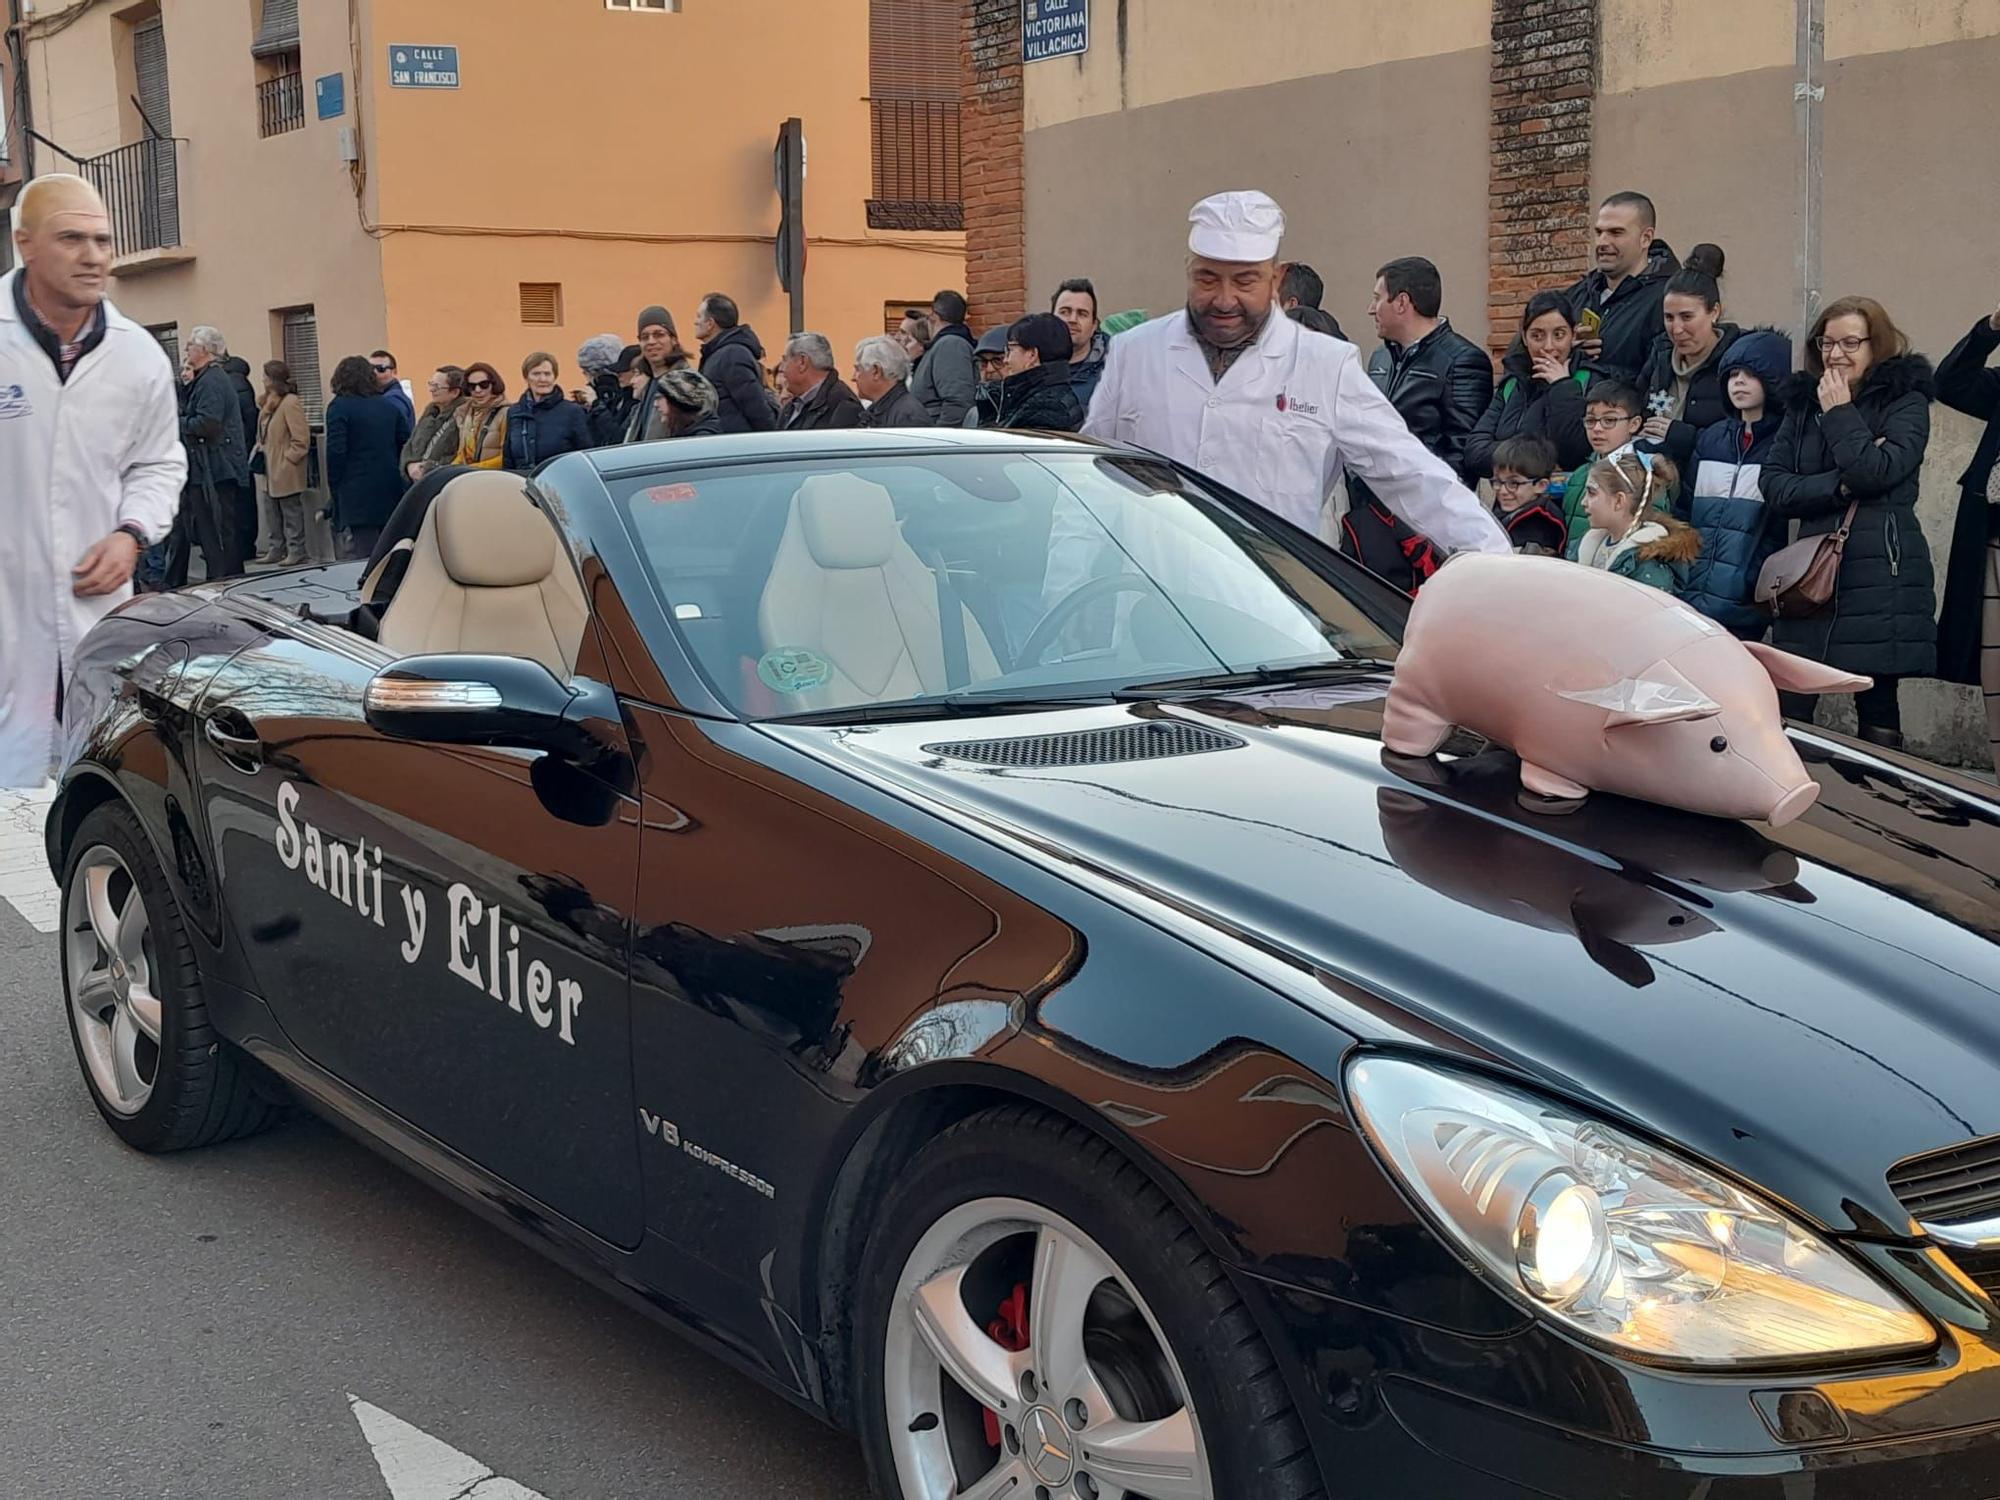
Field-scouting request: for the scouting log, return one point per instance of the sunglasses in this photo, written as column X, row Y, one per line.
column 381, row 369
column 479, row 385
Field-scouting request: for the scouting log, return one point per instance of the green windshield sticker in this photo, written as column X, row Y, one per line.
column 793, row 669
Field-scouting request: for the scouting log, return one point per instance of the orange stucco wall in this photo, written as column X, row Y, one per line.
column 628, row 158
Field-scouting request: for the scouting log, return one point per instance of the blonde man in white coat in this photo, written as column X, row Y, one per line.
column 91, row 465
column 1233, row 388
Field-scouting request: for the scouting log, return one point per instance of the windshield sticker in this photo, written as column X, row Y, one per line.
column 793, row 669
column 670, row 494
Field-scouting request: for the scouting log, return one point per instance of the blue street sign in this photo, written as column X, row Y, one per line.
column 330, row 93
column 1054, row 28
column 422, row 67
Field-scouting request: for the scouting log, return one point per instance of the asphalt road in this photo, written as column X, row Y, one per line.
column 191, row 1327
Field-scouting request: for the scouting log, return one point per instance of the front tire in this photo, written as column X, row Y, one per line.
column 155, row 1068
column 1038, row 1320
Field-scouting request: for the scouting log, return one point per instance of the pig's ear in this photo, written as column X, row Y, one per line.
column 1797, row 674
column 1666, row 698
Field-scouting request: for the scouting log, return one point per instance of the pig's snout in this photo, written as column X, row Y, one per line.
column 1793, row 803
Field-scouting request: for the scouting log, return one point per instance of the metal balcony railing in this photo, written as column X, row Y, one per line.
column 281, row 104
column 141, row 187
column 916, row 151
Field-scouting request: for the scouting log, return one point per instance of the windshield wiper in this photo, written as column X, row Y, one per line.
column 952, row 706
column 1253, row 677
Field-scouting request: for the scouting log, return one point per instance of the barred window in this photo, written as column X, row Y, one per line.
column 913, row 88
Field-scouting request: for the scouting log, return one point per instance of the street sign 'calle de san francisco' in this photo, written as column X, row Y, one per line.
column 422, row 67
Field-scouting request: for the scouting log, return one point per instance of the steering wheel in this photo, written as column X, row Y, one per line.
column 1072, row 603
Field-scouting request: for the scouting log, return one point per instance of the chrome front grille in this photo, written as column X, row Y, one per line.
column 1959, row 1184
column 1983, row 1266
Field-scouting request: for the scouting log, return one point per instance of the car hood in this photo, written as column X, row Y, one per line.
column 1804, row 1006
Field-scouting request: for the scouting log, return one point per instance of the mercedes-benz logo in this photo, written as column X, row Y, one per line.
column 1045, row 1446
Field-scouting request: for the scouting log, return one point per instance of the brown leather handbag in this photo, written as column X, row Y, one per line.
column 1800, row 580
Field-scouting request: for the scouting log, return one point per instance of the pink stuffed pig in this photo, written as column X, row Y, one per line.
column 1600, row 683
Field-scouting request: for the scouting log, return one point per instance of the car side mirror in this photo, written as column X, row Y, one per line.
column 494, row 700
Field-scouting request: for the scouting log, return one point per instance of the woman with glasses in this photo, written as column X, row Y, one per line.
column 482, row 420
column 1856, row 425
column 1541, row 392
column 365, row 433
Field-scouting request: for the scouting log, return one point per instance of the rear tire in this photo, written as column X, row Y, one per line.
column 1136, row 1356
column 156, row 1069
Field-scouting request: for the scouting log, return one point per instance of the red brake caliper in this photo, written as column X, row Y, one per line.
column 1009, row 1329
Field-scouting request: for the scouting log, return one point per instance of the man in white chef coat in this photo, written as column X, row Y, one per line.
column 1233, row 388
column 91, row 463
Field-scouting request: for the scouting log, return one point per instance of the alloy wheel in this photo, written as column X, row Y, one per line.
column 1021, row 1364
column 116, row 1010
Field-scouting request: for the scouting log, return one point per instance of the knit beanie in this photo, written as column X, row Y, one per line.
column 658, row 315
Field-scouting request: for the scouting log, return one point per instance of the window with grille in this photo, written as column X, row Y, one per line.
column 913, row 86
column 662, row 7
column 541, row 302
column 169, row 336
column 299, row 336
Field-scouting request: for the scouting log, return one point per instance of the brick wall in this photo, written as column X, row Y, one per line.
column 1544, row 79
column 995, row 249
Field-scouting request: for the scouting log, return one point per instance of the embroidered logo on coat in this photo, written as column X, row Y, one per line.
column 14, row 402
column 1294, row 404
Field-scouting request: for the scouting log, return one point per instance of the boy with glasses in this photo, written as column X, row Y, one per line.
column 1612, row 417
column 1523, row 468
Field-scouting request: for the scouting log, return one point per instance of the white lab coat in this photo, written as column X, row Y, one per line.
column 1294, row 412
column 77, row 460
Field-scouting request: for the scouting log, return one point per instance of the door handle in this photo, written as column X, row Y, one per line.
column 244, row 751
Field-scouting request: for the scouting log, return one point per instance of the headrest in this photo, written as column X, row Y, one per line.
column 489, row 534
column 847, row 522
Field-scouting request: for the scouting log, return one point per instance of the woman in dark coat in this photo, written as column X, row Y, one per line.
column 1541, row 392
column 544, row 422
column 1856, row 425
column 364, row 443
column 1683, row 375
column 1971, row 617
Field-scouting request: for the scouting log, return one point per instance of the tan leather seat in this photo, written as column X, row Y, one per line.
column 846, row 588
column 488, row 575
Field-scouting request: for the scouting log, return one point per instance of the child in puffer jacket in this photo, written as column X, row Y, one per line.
column 1629, row 535
column 1724, row 503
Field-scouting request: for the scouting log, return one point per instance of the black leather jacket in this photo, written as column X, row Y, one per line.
column 1441, row 386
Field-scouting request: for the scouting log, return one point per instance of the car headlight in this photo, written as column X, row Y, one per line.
column 1615, row 1238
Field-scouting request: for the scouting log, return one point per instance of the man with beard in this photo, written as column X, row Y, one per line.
column 1237, row 391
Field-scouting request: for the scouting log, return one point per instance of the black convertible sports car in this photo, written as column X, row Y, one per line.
column 930, row 915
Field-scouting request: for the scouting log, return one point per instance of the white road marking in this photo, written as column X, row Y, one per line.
column 24, row 870
column 417, row 1466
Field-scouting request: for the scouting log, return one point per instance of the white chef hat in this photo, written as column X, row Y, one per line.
column 1236, row 226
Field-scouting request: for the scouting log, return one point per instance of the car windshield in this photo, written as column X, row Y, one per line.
column 886, row 587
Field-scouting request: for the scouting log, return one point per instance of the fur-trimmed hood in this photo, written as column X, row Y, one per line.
column 1668, row 539
column 1904, row 375
column 1659, row 538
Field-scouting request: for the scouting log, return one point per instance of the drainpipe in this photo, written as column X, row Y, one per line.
column 1809, row 97
column 21, row 108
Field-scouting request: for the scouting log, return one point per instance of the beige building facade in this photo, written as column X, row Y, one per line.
column 1829, row 146
column 585, row 159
